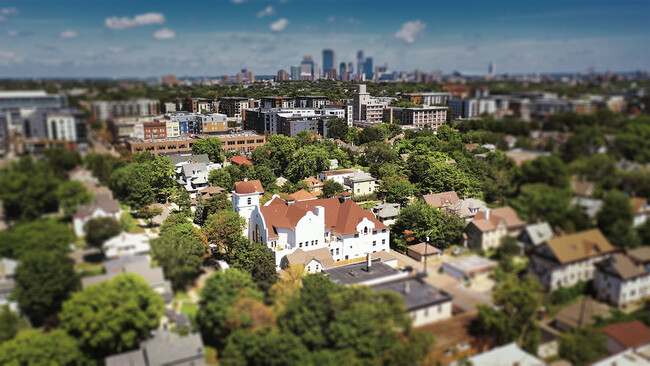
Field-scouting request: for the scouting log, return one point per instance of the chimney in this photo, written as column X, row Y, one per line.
column 407, row 287
column 368, row 262
column 344, row 197
column 245, row 179
column 319, row 211
column 487, row 214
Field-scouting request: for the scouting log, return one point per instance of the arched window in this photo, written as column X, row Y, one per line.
column 250, row 200
column 257, row 233
column 365, row 230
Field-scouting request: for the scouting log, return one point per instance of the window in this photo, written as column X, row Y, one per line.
column 312, row 243
column 383, row 241
column 300, row 244
column 308, row 268
column 250, row 200
column 316, row 241
column 356, row 235
column 426, row 312
column 374, row 243
column 439, row 309
column 347, row 256
column 337, row 251
column 365, row 231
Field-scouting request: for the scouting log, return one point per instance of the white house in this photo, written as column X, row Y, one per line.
column 338, row 224
column 641, row 209
column 506, row 355
column 126, row 244
column 620, row 280
column 104, row 206
column 336, row 175
column 194, row 176
column 565, row 260
column 246, row 197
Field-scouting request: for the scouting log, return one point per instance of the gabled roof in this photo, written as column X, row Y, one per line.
column 628, row 334
column 579, row 246
column 322, row 255
column 539, row 232
column 105, row 202
column 640, row 255
column 509, row 354
column 639, row 205
column 489, row 220
column 360, row 177
column 198, row 158
column 329, row 173
column 422, row 247
column 339, row 217
column 312, row 182
column 582, row 313
column 239, row 160
column 582, row 187
column 385, row 210
column 301, row 195
column 621, row 266
column 441, row 199
column 189, row 169
column 249, row 186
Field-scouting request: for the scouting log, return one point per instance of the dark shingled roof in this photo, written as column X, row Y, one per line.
column 358, row 272
column 418, row 295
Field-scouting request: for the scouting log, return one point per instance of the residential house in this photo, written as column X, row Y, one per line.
column 641, row 209
column 386, row 212
column 535, row 234
column 178, row 160
column 135, row 264
column 641, row 255
column 103, row 206
column 580, row 314
column 280, row 181
column 336, row 175
column 441, row 200
column 240, row 160
column 620, row 281
column 469, row 268
column 449, row 202
column 165, row 348
column 300, row 195
column 625, row 335
column 314, row 185
column 360, row 183
column 506, row 355
column 338, row 224
column 8, row 282
column 488, row 227
column 590, row 206
column 314, row 261
column 582, row 188
column 126, row 244
column 208, row 192
column 424, row 252
column 637, row 356
column 565, row 260
column 194, row 177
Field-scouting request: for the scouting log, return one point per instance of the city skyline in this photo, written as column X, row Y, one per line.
column 144, row 39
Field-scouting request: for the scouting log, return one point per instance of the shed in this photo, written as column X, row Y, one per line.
column 423, row 250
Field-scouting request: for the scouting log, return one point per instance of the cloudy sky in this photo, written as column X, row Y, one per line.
column 196, row 38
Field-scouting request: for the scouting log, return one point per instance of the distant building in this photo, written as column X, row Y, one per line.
column 429, row 99
column 282, row 75
column 8, row 282
column 170, row 80
column 103, row 110
column 430, row 117
column 126, row 244
column 165, row 348
column 243, row 142
column 329, row 61
column 366, row 108
column 234, row 106
column 360, row 183
column 509, row 354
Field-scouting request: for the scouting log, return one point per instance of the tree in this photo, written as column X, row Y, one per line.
column 518, row 301
column 183, row 200
column 180, row 257
column 35, row 237
column 62, row 161
column 304, row 138
column 224, row 229
column 101, row 229
column 337, row 128
column 216, row 203
column 308, row 161
column 643, row 232
column 149, row 212
column 287, row 284
column 70, row 194
column 264, row 174
column 162, row 171
column 423, row 220
column 8, row 324
column 616, row 219
column 221, row 291
column 371, row 134
column 210, row 146
column 396, row 189
column 332, row 188
column 546, row 169
column 221, row 178
column 256, row 259
column 582, row 346
column 35, row 347
column 543, row 202
column 43, row 281
column 112, row 316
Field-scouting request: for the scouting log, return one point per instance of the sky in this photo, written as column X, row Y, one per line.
column 139, row 38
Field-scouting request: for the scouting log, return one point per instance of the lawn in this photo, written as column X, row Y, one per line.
column 190, row 309
column 181, row 295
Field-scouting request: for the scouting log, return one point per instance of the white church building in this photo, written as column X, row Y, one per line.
column 338, row 224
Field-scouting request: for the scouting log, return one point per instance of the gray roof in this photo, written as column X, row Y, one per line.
column 358, row 272
column 106, row 202
column 165, row 348
column 139, row 265
column 385, row 210
column 360, row 177
column 199, row 158
column 591, row 206
column 189, row 169
column 539, row 232
column 470, row 263
column 416, row 293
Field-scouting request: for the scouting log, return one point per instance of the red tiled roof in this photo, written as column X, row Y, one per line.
column 506, row 214
column 239, row 160
column 440, row 199
column 301, row 195
column 628, row 334
column 251, row 186
column 339, row 217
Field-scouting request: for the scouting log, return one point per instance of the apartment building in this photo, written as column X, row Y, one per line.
column 105, row 109
column 243, row 142
column 431, row 98
column 235, row 106
column 431, row 117
column 367, row 108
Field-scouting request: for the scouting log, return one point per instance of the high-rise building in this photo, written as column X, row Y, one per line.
column 368, row 68
column 329, row 60
column 282, row 76
column 308, row 61
column 295, row 72
column 342, row 69
column 360, row 62
column 492, row 68
column 239, row 78
column 350, row 69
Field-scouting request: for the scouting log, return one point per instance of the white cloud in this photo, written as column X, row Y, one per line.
column 410, row 31
column 9, row 11
column 164, row 33
column 7, row 58
column 279, row 25
column 13, row 33
column 2, row 18
column 68, row 34
column 116, row 23
column 266, row 11
column 113, row 49
column 331, row 19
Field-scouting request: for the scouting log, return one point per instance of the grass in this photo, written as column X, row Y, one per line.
column 190, row 309
column 210, row 356
column 181, row 295
column 137, row 230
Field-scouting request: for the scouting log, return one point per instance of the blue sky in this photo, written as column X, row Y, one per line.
column 194, row 38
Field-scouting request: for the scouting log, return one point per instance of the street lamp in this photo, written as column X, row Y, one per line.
column 426, row 246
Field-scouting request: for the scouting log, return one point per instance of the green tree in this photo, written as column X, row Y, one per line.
column 183, row 200
column 70, row 194
column 221, row 178
column 149, row 212
column 517, row 301
column 264, row 175
column 221, row 291
column 396, row 189
column 308, row 161
column 419, row 220
column 616, row 218
column 268, row 347
column 337, row 128
column 35, row 237
column 582, row 346
column 546, row 169
column 543, row 202
column 643, row 232
column 256, row 259
column 43, row 281
column 162, row 171
column 180, row 257
column 132, row 183
column 101, row 229
column 332, row 188
column 112, row 316
column 8, row 324
column 210, row 146
column 35, row 347
column 224, row 229
column 62, row 161
column 372, row 134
